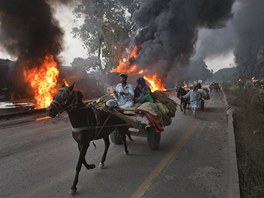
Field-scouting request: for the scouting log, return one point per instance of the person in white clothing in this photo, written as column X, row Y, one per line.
column 123, row 94
column 195, row 98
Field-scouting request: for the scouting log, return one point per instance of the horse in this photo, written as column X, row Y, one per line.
column 216, row 87
column 88, row 124
column 184, row 102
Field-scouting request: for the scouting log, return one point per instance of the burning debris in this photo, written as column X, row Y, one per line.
column 30, row 32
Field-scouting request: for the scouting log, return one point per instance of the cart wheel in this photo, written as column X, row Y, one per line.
column 116, row 137
column 153, row 138
column 202, row 105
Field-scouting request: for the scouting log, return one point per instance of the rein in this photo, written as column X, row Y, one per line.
column 80, row 129
column 60, row 108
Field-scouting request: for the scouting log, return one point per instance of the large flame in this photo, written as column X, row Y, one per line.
column 128, row 66
column 43, row 79
column 155, row 83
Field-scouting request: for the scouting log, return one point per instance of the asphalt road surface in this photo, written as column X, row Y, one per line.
column 38, row 159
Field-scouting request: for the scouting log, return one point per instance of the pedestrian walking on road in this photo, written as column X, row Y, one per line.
column 195, row 98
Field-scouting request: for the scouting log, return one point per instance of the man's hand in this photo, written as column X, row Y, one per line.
column 123, row 93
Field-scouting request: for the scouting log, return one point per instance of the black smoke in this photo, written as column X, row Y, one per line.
column 28, row 29
column 29, row 32
column 249, row 50
column 169, row 30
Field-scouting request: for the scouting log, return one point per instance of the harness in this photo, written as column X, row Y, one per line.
column 59, row 107
column 80, row 129
column 98, row 127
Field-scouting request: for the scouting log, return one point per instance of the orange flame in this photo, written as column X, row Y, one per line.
column 66, row 83
column 43, row 80
column 155, row 83
column 125, row 66
column 141, row 71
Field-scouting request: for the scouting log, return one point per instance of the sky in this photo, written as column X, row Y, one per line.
column 72, row 47
column 220, row 61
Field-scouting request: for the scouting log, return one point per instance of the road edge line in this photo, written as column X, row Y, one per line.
column 233, row 180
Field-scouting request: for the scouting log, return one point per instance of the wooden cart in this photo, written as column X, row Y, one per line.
column 143, row 130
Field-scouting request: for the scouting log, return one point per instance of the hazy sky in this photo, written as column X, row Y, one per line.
column 73, row 46
column 221, row 61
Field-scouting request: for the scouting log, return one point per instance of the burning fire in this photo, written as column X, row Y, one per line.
column 155, row 83
column 128, row 66
column 125, row 66
column 43, row 80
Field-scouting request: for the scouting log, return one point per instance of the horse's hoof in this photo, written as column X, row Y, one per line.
column 101, row 165
column 72, row 192
column 90, row 166
column 126, row 152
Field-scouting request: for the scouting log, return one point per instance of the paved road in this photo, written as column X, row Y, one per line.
column 38, row 158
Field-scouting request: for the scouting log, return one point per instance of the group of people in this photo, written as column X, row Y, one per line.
column 125, row 95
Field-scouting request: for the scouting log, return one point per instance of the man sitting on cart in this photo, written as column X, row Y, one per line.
column 123, row 94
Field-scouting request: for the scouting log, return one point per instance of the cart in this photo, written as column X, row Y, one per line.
column 142, row 122
column 136, row 128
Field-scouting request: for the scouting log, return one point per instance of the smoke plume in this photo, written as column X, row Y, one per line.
column 28, row 29
column 169, row 30
column 249, row 29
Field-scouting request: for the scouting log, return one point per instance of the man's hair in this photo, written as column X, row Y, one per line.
column 123, row 75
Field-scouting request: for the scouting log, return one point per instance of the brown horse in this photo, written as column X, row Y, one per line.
column 88, row 124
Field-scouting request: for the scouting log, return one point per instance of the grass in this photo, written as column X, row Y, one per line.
column 249, row 134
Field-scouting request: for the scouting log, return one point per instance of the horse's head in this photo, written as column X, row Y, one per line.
column 61, row 101
column 180, row 91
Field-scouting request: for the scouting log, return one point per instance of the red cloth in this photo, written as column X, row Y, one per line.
column 153, row 121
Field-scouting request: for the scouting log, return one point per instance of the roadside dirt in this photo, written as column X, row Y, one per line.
column 249, row 135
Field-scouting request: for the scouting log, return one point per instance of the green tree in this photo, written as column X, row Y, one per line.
column 107, row 26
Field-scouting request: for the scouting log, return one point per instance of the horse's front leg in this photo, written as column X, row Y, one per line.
column 181, row 104
column 83, row 150
column 107, row 144
column 88, row 166
column 123, row 134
